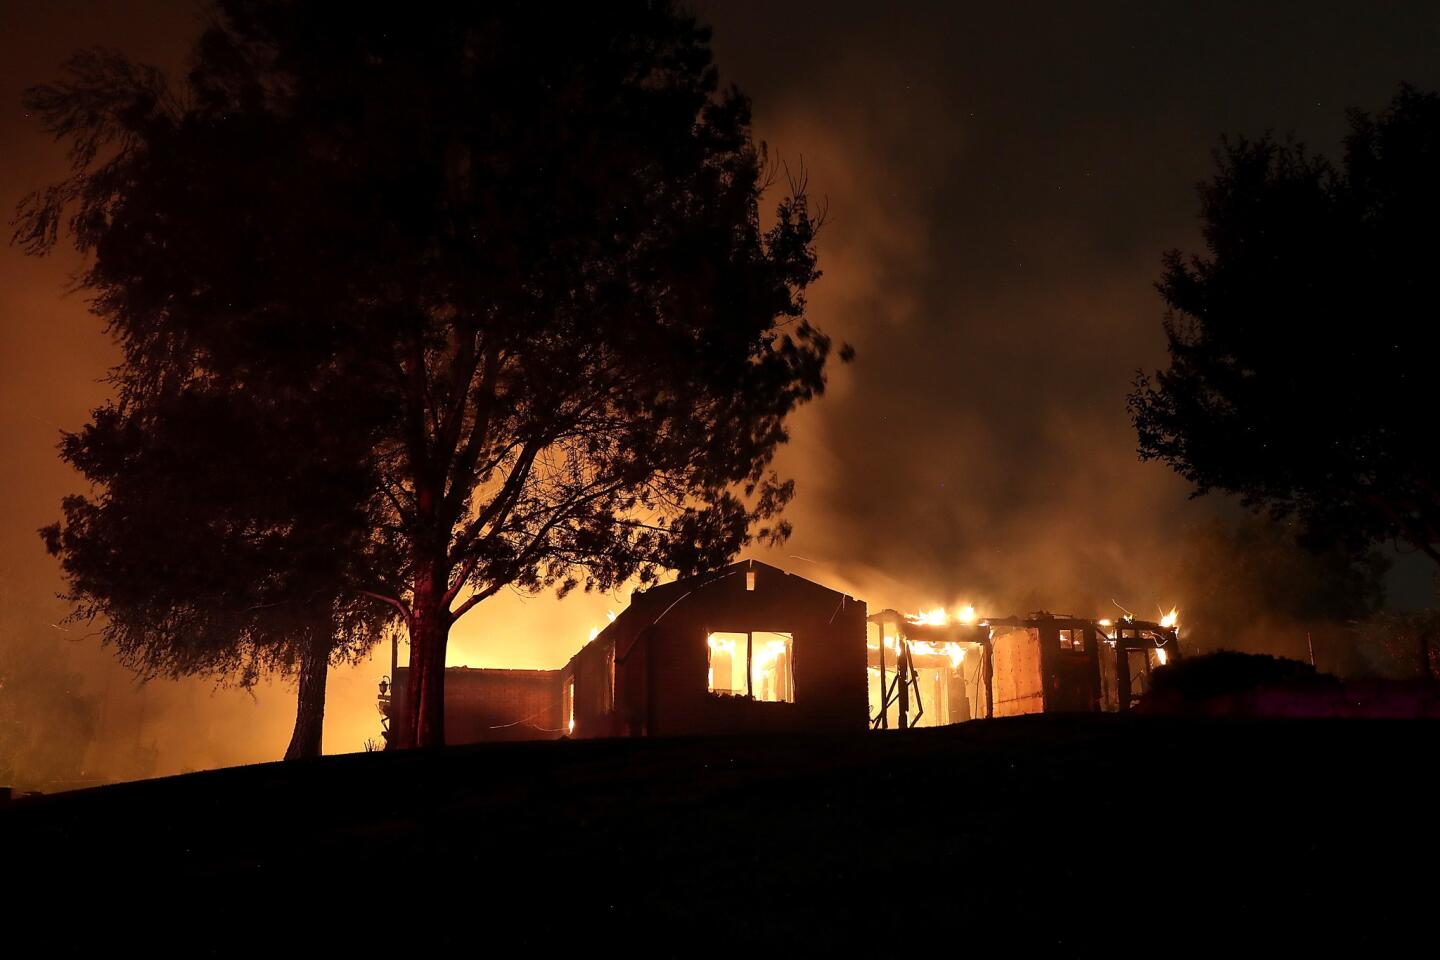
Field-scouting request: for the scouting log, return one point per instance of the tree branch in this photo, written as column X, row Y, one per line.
column 495, row 513
column 532, row 549
column 466, row 568
column 392, row 601
column 462, row 470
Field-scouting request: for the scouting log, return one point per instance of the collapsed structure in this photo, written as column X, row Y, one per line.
column 753, row 648
column 933, row 670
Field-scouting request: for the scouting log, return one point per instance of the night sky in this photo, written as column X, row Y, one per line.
column 1000, row 184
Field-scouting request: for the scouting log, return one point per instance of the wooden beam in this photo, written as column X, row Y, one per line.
column 988, row 668
column 884, row 692
column 902, row 678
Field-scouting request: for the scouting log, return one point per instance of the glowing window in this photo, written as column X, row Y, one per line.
column 728, row 655
column 771, row 675
column 1073, row 640
column 756, row 665
column 750, row 580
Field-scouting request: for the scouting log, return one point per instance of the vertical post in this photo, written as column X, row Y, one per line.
column 394, row 660
column 1122, row 671
column 988, row 668
column 749, row 665
column 884, row 699
column 902, row 677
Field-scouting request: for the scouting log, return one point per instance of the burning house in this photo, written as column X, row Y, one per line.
column 752, row 648
column 931, row 669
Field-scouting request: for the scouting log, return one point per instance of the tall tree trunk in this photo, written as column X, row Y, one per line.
column 429, row 634
column 310, row 702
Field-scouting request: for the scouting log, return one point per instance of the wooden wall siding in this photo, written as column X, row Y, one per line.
column 1019, row 672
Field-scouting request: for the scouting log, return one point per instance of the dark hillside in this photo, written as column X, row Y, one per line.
column 1068, row 834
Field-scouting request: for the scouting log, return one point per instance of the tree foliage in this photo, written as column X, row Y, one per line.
column 210, row 547
column 1300, row 345
column 511, row 255
column 225, row 529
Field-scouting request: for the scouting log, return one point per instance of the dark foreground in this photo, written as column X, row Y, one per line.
column 1066, row 835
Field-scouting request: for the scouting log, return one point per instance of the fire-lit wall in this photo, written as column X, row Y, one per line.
column 484, row 704
column 593, row 673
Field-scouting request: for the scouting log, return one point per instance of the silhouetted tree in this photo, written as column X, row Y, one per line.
column 1301, row 347
column 523, row 241
column 222, row 540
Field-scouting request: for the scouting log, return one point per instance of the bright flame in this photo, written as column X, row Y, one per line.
column 724, row 644
column 1171, row 619
column 765, row 656
column 929, row 618
column 767, row 680
column 595, row 631
column 1161, row 655
column 954, row 651
column 938, row 617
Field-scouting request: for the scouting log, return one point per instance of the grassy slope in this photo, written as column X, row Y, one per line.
column 1071, row 834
